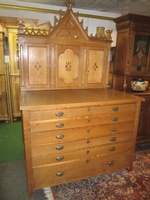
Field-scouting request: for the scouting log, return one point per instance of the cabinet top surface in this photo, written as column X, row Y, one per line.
column 73, row 98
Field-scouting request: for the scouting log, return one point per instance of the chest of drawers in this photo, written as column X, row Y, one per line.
column 71, row 135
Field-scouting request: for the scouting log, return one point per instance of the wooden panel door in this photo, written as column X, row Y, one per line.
column 35, row 72
column 97, row 67
column 69, row 66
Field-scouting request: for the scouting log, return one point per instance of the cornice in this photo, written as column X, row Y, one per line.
column 14, row 7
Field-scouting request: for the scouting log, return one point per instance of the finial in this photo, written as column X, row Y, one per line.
column 69, row 4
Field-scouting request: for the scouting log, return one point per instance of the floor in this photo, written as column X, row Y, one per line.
column 13, row 182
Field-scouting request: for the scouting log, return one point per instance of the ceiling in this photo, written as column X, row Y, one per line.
column 119, row 7
column 141, row 7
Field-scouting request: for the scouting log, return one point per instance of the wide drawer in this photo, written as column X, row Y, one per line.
column 75, row 170
column 74, row 134
column 79, row 112
column 87, row 153
column 64, row 123
column 50, row 149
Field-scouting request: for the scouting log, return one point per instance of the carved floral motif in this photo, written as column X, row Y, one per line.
column 37, row 66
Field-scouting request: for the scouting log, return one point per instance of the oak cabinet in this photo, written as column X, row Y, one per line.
column 84, row 131
column 132, row 60
column 71, row 121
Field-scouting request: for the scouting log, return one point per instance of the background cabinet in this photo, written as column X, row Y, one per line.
column 132, row 50
column 5, row 106
column 14, row 76
column 132, row 60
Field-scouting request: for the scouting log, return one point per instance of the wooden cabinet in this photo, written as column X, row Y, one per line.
column 5, row 108
column 63, row 58
column 75, row 134
column 144, row 120
column 14, row 75
column 132, row 60
column 74, row 127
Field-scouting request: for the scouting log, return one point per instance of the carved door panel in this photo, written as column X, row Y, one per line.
column 68, row 66
column 35, row 70
column 97, row 68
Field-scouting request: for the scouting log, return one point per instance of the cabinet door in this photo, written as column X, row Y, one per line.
column 143, row 134
column 97, row 67
column 140, row 57
column 69, row 66
column 35, row 66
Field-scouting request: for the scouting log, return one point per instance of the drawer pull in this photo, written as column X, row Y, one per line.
column 115, row 119
column 89, row 120
column 115, row 108
column 110, row 162
column 60, row 125
column 113, row 129
column 113, row 139
column 60, row 136
column 59, row 114
column 87, row 151
column 112, row 148
column 60, row 173
column 59, row 147
column 59, row 158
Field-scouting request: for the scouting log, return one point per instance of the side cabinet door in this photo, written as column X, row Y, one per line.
column 35, row 70
column 97, row 67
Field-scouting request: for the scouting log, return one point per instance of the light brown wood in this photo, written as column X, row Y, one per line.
column 91, row 131
column 5, row 109
column 70, row 59
column 14, row 77
column 74, row 127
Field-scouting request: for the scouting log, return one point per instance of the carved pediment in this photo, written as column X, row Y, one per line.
column 69, row 26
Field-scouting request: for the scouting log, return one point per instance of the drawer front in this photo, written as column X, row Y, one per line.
column 65, row 123
column 87, row 153
column 79, row 112
column 74, row 134
column 75, row 170
column 48, row 150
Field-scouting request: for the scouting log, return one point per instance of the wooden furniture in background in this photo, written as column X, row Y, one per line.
column 74, row 127
column 132, row 60
column 14, row 75
column 5, row 106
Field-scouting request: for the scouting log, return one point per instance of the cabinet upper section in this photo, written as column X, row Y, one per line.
column 132, row 49
column 63, row 56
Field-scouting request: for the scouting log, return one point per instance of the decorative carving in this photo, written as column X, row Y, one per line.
column 68, row 66
column 37, row 66
column 95, row 66
column 69, row 4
